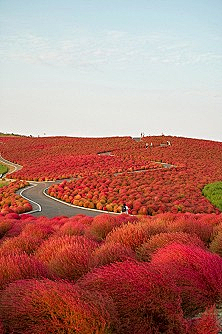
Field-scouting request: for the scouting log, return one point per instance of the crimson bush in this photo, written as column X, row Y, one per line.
column 146, row 302
column 44, row 306
column 197, row 272
column 17, row 267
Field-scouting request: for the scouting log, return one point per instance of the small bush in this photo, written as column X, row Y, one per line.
column 67, row 257
column 5, row 226
column 72, row 228
column 20, row 244
column 157, row 241
column 192, row 224
column 17, row 267
column 130, row 235
column 102, row 225
column 110, row 253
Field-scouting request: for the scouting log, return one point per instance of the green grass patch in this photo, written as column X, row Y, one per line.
column 3, row 169
column 213, row 192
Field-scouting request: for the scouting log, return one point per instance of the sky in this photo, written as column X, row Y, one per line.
column 99, row 68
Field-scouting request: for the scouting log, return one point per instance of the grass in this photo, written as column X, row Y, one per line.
column 213, row 192
column 3, row 169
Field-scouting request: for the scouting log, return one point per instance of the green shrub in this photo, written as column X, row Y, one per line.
column 213, row 192
column 3, row 169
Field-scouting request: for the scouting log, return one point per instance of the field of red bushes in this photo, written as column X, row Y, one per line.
column 111, row 274
column 156, row 271
column 10, row 201
column 150, row 176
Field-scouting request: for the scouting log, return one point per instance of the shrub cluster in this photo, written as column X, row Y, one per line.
column 111, row 274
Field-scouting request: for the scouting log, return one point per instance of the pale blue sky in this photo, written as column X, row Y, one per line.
column 106, row 68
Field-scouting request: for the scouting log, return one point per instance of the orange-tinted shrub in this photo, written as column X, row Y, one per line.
column 131, row 235
column 5, row 226
column 157, row 241
column 22, row 266
column 20, row 245
column 192, row 224
column 72, row 228
column 110, row 253
column 102, row 225
column 67, row 257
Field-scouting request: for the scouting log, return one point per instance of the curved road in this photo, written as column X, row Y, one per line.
column 42, row 204
column 48, row 206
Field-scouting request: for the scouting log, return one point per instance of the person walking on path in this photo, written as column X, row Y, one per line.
column 125, row 208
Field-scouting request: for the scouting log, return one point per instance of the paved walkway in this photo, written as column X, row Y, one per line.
column 44, row 205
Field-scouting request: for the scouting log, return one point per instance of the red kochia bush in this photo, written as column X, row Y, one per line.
column 41, row 229
column 216, row 244
column 72, row 228
column 193, row 224
column 102, row 225
column 111, row 252
column 131, row 235
column 146, row 302
column 208, row 323
column 5, row 226
column 157, row 241
column 32, row 306
column 196, row 271
column 20, row 244
column 68, row 256
column 17, row 267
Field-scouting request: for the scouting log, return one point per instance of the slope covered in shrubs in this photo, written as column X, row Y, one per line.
column 111, row 274
column 151, row 176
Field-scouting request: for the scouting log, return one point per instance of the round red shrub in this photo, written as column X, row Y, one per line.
column 102, row 225
column 192, row 224
column 72, row 228
column 131, row 235
column 157, row 241
column 54, row 307
column 145, row 301
column 110, row 253
column 67, row 257
column 5, row 226
column 17, row 267
column 20, row 244
column 197, row 272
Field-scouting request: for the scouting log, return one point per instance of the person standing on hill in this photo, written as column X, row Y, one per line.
column 125, row 208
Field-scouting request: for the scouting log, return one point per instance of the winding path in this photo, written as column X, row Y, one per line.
column 43, row 204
